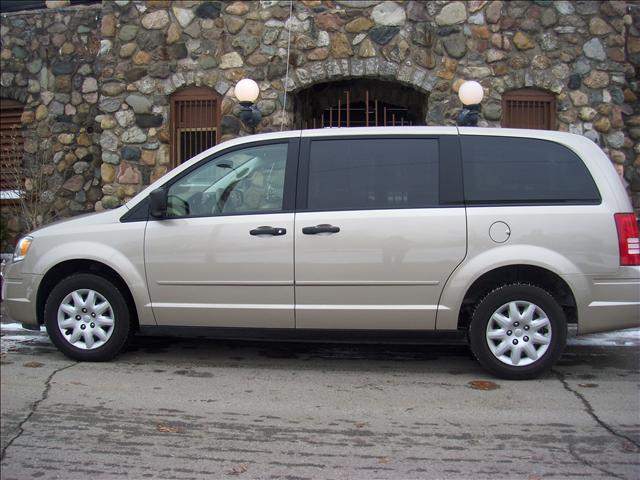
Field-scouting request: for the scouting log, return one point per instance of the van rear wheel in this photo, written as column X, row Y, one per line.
column 518, row 331
column 87, row 318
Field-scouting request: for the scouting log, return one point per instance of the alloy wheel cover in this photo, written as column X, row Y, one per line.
column 519, row 333
column 86, row 319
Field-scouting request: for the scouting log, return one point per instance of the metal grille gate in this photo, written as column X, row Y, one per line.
column 362, row 103
column 370, row 113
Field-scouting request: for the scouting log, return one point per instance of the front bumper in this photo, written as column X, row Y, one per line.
column 19, row 293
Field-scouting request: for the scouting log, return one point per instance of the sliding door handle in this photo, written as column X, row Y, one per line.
column 322, row 228
column 266, row 230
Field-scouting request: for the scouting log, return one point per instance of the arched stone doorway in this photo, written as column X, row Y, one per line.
column 359, row 103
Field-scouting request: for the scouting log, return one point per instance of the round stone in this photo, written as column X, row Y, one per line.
column 125, row 118
column 383, row 35
column 522, row 41
column 597, row 79
column 549, row 18
column 89, row 85
column 110, row 157
column 107, row 122
column 66, row 138
column 392, row 14
column 587, row 114
column 594, row 49
column 231, row 60
column 109, row 201
column 360, row 24
column 183, row 15
column 208, row 10
column 139, row 103
column 127, row 50
column 133, row 135
column 598, row 26
column 237, row 8
column 492, row 111
column 455, row 45
column 155, row 20
column 113, row 88
column 615, row 139
column 130, row 153
column 540, row 62
column 41, row 112
column 452, row 14
column 494, row 11
column 128, row 33
column 109, row 141
column 142, row 58
column 564, row 7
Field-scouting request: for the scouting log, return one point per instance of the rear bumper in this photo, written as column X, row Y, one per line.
column 19, row 292
column 613, row 304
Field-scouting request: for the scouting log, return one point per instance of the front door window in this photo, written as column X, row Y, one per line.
column 243, row 181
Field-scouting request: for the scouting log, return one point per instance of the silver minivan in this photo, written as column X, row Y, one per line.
column 501, row 237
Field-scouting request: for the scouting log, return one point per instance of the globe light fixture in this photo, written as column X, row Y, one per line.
column 247, row 92
column 470, row 94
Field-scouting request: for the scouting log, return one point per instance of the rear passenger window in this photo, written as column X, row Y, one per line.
column 373, row 173
column 523, row 170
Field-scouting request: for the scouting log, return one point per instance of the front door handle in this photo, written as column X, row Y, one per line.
column 322, row 228
column 266, row 230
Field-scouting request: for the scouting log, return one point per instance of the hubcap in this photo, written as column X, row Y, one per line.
column 85, row 319
column 514, row 319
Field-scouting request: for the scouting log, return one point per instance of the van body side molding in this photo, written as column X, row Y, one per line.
column 313, row 335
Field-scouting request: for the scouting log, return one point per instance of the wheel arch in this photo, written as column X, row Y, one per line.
column 70, row 267
column 518, row 273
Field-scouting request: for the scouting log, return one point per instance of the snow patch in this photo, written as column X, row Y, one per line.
column 624, row 338
column 16, row 327
column 15, row 337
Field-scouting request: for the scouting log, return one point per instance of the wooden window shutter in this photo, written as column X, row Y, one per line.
column 529, row 108
column 11, row 143
column 195, row 120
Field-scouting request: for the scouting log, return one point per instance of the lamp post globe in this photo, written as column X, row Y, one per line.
column 247, row 91
column 471, row 93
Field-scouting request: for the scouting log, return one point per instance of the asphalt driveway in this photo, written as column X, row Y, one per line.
column 183, row 409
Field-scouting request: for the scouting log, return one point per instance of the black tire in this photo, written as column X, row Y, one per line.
column 117, row 312
column 517, row 298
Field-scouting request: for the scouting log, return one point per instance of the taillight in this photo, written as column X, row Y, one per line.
column 628, row 238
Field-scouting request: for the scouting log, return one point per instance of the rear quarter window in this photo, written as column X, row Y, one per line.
column 524, row 171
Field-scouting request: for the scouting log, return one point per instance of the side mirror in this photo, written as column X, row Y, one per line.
column 158, row 203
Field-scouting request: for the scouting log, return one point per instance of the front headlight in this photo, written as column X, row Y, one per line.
column 22, row 248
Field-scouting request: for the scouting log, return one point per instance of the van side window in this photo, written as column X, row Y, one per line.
column 370, row 173
column 524, row 171
column 250, row 180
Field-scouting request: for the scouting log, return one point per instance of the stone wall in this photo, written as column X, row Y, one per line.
column 97, row 79
column 47, row 62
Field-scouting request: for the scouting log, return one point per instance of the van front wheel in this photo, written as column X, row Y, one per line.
column 87, row 318
column 518, row 331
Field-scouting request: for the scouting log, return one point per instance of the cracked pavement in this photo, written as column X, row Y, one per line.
column 183, row 409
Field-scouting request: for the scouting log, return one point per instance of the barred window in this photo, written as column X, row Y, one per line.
column 195, row 119
column 11, row 147
column 528, row 108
